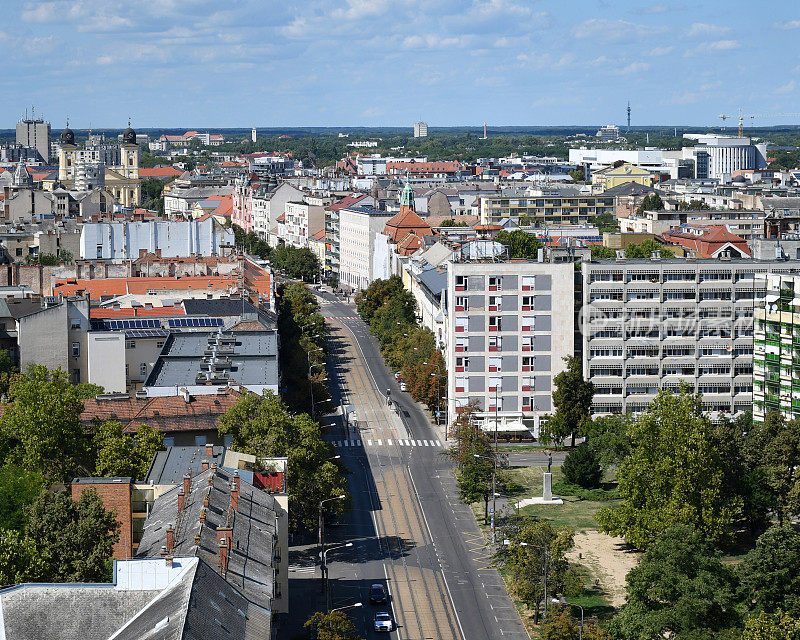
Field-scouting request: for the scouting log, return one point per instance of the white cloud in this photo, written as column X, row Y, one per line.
column 633, row 67
column 661, row 51
column 705, row 29
column 723, row 45
column 431, row 41
column 605, row 31
column 787, row 26
column 789, row 87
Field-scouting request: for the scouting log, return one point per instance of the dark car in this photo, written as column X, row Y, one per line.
column 377, row 594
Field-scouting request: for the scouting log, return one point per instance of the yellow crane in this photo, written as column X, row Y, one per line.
column 742, row 116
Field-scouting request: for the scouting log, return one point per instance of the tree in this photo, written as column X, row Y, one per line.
column 645, row 249
column 20, row 560
column 674, row 475
column 651, row 202
column 19, row 487
column 771, row 626
column 520, row 244
column 770, row 573
column 581, row 467
column 606, row 222
column 693, row 205
column 599, row 252
column 572, row 400
column 334, row 625
column 376, row 295
column 41, row 428
column 75, row 539
column 262, row 426
column 680, row 589
column 559, row 625
column 475, row 458
column 119, row 454
column 607, row 437
column 577, row 175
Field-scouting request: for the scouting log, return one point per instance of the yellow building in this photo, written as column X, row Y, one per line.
column 120, row 176
column 620, row 173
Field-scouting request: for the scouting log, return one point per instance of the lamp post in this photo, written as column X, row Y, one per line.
column 349, row 606
column 321, row 535
column 325, row 570
column 494, row 492
column 438, row 390
column 571, row 604
column 546, row 558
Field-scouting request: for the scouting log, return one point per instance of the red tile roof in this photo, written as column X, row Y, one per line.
column 99, row 287
column 706, row 240
column 424, row 167
column 136, row 312
column 272, row 481
column 406, row 220
column 347, row 201
column 159, row 172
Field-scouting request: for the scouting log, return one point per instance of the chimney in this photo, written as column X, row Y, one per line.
column 223, row 558
column 202, row 515
column 168, row 560
column 234, row 497
column 224, row 535
column 204, row 465
column 163, row 551
column 170, row 537
column 236, row 480
column 197, row 539
column 187, row 397
column 181, row 500
column 187, row 484
column 209, row 449
column 205, row 500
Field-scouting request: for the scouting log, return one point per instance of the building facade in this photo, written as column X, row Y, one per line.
column 509, row 327
column 34, row 133
column 545, row 205
column 420, row 130
column 657, row 324
column 358, row 228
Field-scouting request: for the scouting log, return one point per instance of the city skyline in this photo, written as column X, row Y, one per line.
column 375, row 63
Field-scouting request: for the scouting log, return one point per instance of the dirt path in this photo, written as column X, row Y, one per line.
column 608, row 558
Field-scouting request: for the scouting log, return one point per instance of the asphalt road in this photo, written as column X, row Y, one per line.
column 408, row 528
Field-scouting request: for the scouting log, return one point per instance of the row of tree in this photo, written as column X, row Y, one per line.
column 300, row 264
column 389, row 308
column 635, row 250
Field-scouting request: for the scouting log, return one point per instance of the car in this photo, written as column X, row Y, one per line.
column 383, row 622
column 397, row 376
column 403, row 386
column 377, row 594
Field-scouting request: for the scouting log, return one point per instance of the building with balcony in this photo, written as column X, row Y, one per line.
column 776, row 349
column 657, row 324
column 509, row 327
column 544, row 205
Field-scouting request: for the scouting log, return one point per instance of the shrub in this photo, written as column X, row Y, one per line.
column 581, row 467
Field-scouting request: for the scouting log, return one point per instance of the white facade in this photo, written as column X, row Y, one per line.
column 598, row 158
column 302, row 220
column 358, row 228
column 107, row 360
column 420, row 130
column 124, row 240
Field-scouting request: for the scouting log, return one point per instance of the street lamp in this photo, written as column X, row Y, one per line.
column 321, row 534
column 571, row 604
column 494, row 492
column 325, row 567
column 349, row 606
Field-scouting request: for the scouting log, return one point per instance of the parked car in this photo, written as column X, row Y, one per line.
column 377, row 594
column 383, row 622
column 397, row 376
column 403, row 386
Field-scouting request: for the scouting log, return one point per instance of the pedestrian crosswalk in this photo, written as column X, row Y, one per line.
column 372, row 442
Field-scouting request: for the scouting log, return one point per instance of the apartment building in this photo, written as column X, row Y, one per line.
column 509, row 326
column 544, row 205
column 776, row 349
column 656, row 324
column 302, row 221
column 358, row 227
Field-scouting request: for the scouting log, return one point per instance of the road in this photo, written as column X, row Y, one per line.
column 408, row 529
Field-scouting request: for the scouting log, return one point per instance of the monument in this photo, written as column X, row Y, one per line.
column 547, row 488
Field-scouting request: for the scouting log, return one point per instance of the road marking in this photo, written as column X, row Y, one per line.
column 379, row 443
column 389, row 442
column 369, row 442
column 346, row 443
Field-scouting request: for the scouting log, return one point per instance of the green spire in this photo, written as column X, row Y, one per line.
column 407, row 197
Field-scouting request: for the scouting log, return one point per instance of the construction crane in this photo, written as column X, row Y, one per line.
column 742, row 116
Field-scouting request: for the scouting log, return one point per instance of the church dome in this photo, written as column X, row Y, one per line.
column 67, row 136
column 129, row 136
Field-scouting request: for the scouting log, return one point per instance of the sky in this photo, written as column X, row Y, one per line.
column 242, row 63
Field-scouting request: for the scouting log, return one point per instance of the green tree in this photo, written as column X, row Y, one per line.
column 520, row 244
column 582, row 468
column 263, row 426
column 40, row 428
column 334, row 625
column 607, row 437
column 651, row 202
column 577, row 175
column 771, row 626
column 572, row 400
column 19, row 487
column 558, row 625
column 119, row 454
column 645, row 249
column 599, row 252
column 674, row 475
column 20, row 560
column 770, row 573
column 376, row 295
column 693, row 205
column 75, row 539
column 606, row 222
column 680, row 589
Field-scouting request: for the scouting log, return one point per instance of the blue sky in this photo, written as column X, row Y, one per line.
column 212, row 63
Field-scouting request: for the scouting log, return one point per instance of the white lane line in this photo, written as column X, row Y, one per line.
column 369, row 443
column 379, row 442
column 346, row 443
column 358, row 443
column 389, row 442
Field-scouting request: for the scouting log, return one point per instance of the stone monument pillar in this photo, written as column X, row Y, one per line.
column 547, row 487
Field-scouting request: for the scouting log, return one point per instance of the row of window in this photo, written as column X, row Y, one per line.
column 655, row 277
column 495, row 364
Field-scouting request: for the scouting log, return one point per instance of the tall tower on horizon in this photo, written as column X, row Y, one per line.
column 629, row 114
column 253, row 135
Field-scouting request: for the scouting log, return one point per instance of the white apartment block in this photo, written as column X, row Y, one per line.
column 302, row 220
column 358, row 228
column 509, row 327
column 747, row 224
column 656, row 324
column 420, row 130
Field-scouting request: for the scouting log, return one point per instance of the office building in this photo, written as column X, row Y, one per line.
column 420, row 130
column 34, row 133
column 776, row 349
column 358, row 228
column 608, row 133
column 509, row 327
column 656, row 324
column 545, row 205
column 719, row 157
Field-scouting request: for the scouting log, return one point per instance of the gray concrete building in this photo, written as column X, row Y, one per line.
column 34, row 133
column 656, row 324
column 509, row 326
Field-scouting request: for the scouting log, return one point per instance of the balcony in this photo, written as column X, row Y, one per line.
column 461, row 329
column 460, row 369
column 494, row 327
column 527, row 307
column 461, row 307
column 495, row 348
column 461, row 287
column 527, row 327
column 494, row 307
column 460, row 348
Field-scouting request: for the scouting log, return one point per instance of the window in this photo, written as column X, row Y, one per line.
column 527, row 343
column 495, row 303
column 143, row 369
column 462, row 364
column 159, row 344
column 495, row 343
column 495, row 323
column 527, row 363
column 495, row 283
column 462, row 303
column 527, row 303
column 495, row 384
column 528, row 283
column 527, row 323
column 74, row 324
column 130, row 344
column 495, row 404
column 461, row 283
column 461, row 385
column 527, row 383
column 461, row 325
column 127, row 371
column 495, row 364
column 76, row 349
column 527, row 403
column 99, row 250
column 18, row 251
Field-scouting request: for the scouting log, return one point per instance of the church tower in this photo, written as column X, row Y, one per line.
column 66, row 155
column 130, row 154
